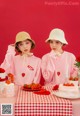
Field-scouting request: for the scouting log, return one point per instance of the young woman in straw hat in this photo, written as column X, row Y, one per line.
column 58, row 65
column 25, row 66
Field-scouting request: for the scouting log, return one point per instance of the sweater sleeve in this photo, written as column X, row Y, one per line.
column 74, row 69
column 8, row 61
column 48, row 68
column 38, row 72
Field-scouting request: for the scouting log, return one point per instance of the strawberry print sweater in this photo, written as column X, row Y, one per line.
column 57, row 70
column 26, row 69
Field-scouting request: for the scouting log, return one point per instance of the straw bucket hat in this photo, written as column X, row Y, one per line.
column 57, row 34
column 21, row 36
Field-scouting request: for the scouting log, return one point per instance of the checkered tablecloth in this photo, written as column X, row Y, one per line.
column 30, row 104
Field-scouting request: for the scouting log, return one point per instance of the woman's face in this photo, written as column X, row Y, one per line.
column 25, row 46
column 56, row 45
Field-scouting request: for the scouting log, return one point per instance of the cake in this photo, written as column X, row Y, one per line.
column 6, row 83
column 74, row 80
column 3, row 78
column 9, row 86
column 9, row 90
column 69, row 88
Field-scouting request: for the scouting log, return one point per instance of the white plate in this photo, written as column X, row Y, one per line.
column 66, row 95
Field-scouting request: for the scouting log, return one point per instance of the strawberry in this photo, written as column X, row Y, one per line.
column 8, row 81
column 35, row 86
column 58, row 73
column 76, row 78
column 23, row 74
column 71, row 78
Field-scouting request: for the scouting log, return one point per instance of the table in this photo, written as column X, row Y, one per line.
column 42, row 103
column 30, row 104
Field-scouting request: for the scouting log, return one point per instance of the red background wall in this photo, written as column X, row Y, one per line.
column 39, row 17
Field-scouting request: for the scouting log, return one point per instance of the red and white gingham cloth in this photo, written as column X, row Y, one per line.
column 30, row 104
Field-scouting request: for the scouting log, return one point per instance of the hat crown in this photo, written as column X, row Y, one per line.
column 22, row 36
column 56, row 34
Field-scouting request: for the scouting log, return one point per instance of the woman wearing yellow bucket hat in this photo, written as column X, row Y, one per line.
column 58, row 65
column 25, row 66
